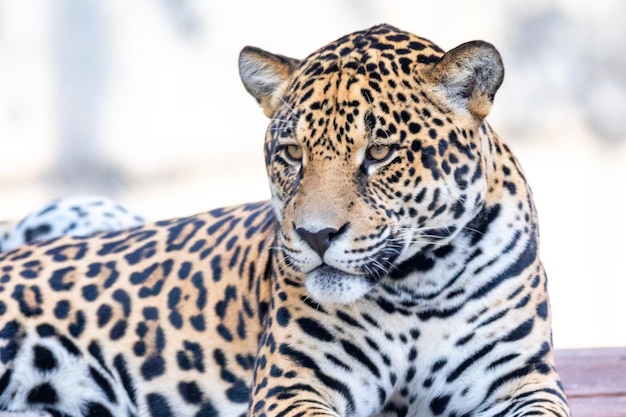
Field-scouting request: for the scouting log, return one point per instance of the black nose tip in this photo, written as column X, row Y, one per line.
column 320, row 241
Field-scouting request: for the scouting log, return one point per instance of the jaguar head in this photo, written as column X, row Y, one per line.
column 373, row 151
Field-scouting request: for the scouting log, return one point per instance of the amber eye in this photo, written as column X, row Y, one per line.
column 378, row 152
column 294, row 152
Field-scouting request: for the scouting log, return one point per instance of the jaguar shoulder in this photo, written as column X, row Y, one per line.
column 395, row 271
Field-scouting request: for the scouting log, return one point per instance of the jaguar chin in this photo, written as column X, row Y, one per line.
column 329, row 285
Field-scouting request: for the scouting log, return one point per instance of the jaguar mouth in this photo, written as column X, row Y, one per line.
column 330, row 273
column 328, row 284
column 326, row 270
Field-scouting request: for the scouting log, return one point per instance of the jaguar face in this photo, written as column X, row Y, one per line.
column 373, row 152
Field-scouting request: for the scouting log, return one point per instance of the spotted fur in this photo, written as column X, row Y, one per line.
column 395, row 271
column 69, row 216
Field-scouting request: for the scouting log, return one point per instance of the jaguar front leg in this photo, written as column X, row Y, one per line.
column 322, row 360
column 530, row 401
column 293, row 376
column 288, row 381
column 539, row 393
column 292, row 388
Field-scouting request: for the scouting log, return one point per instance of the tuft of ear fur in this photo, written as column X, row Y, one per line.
column 265, row 76
column 469, row 76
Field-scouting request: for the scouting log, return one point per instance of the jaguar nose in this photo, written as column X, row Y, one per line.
column 320, row 240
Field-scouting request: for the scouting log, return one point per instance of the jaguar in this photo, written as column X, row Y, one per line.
column 80, row 215
column 395, row 271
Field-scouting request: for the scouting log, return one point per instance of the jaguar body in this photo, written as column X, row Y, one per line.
column 395, row 271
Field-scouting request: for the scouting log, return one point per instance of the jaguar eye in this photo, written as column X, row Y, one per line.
column 378, row 153
column 294, row 152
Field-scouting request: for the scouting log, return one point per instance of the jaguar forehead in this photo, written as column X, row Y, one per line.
column 327, row 101
column 367, row 51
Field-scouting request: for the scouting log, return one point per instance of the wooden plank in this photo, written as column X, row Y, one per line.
column 594, row 381
column 592, row 372
column 598, row 406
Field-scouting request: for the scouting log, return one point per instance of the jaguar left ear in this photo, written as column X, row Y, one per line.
column 265, row 76
column 469, row 76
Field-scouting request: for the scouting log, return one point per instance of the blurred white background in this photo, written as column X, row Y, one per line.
column 140, row 100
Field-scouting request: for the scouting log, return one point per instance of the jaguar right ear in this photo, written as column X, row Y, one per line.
column 265, row 76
